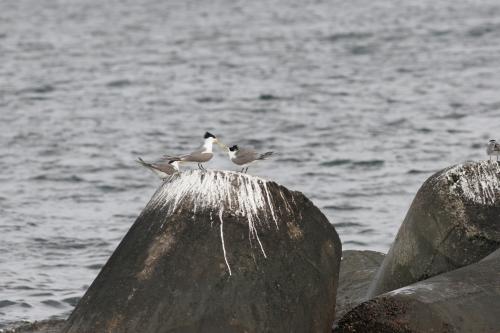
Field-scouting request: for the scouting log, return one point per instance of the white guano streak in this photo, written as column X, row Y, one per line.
column 222, row 240
column 216, row 191
column 478, row 181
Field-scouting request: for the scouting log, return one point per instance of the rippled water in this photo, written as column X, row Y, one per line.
column 362, row 99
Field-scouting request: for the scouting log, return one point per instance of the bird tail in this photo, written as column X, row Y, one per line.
column 265, row 155
column 144, row 164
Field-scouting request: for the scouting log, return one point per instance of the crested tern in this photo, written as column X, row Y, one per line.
column 201, row 155
column 245, row 156
column 162, row 168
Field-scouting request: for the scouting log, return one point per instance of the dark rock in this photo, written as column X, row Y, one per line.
column 452, row 222
column 43, row 326
column 357, row 270
column 218, row 252
column 464, row 300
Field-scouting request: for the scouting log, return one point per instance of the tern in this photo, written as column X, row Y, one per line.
column 245, row 156
column 201, row 155
column 162, row 168
column 493, row 148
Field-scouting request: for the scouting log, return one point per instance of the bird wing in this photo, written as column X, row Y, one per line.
column 245, row 156
column 163, row 167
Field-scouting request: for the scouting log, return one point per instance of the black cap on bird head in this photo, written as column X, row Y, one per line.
column 208, row 135
column 233, row 148
column 493, row 140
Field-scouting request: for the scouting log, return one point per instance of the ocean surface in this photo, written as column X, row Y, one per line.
column 363, row 100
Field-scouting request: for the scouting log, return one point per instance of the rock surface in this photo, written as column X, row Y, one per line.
column 44, row 326
column 218, row 252
column 464, row 300
column 357, row 270
column 453, row 221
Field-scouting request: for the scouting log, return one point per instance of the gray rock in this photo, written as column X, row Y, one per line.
column 357, row 270
column 464, row 300
column 43, row 326
column 453, row 221
column 218, row 252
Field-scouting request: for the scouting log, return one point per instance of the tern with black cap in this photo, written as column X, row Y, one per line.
column 245, row 156
column 201, row 155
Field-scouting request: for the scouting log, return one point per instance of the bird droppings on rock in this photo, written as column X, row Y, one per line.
column 478, row 182
column 216, row 192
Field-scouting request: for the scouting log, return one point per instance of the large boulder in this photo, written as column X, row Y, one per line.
column 218, row 252
column 453, row 221
column 357, row 270
column 464, row 300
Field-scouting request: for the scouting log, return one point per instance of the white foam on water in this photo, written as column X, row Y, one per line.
column 477, row 181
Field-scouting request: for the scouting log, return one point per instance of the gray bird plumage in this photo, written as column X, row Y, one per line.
column 161, row 168
column 245, row 156
column 200, row 155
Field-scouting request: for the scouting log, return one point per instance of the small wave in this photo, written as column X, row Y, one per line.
column 424, row 130
column 6, row 302
column 208, row 99
column 397, row 122
column 341, row 36
column 94, row 267
column 347, row 224
column 336, row 162
column 41, row 294
column 362, row 49
column 482, row 30
column 344, row 207
column 53, row 303
column 109, row 188
column 73, row 301
column 268, row 97
column 417, row 172
column 369, row 163
column 351, row 242
column 70, row 179
column 119, row 83
column 42, row 89
column 453, row 115
column 439, row 33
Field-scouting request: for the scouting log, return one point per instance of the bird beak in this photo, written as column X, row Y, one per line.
column 222, row 145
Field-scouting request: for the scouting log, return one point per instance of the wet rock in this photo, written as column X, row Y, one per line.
column 43, row 326
column 218, row 252
column 357, row 270
column 464, row 300
column 452, row 222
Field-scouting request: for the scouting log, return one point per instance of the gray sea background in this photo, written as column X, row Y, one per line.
column 363, row 100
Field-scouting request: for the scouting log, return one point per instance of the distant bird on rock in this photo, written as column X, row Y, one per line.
column 493, row 148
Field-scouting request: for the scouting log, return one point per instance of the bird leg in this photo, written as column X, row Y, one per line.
column 200, row 166
column 242, row 170
column 246, row 169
